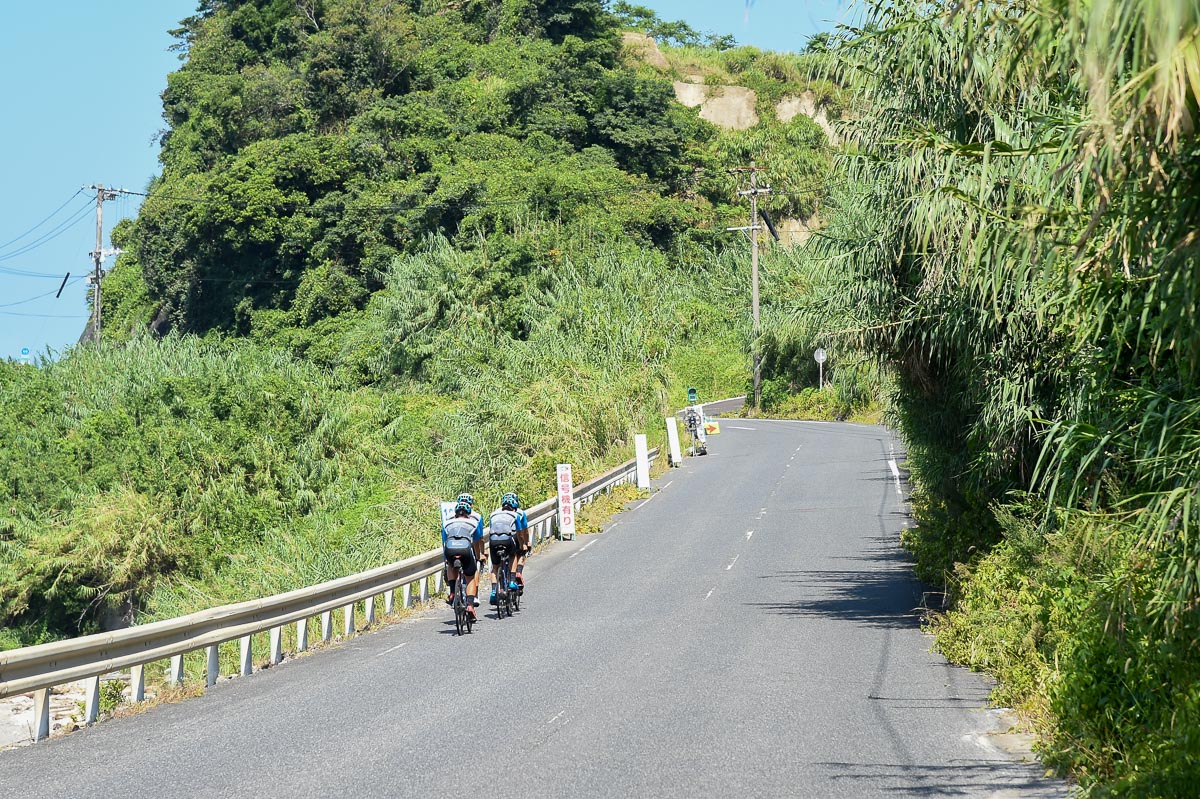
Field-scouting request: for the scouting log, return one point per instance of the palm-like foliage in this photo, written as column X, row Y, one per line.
column 1018, row 239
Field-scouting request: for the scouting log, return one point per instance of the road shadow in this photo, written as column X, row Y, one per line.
column 877, row 589
column 956, row 778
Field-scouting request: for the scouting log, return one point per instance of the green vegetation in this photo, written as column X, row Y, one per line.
column 1014, row 237
column 396, row 251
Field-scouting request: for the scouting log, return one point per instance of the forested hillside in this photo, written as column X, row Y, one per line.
column 396, row 251
column 1014, row 237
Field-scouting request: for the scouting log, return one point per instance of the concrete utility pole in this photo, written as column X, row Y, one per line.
column 752, row 230
column 98, row 254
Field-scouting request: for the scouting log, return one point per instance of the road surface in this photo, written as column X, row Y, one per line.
column 750, row 630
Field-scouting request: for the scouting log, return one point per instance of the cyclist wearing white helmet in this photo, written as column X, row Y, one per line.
column 462, row 540
column 508, row 524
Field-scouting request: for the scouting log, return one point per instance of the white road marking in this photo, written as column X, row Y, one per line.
column 556, row 718
column 656, row 493
column 588, row 544
column 710, row 592
column 748, row 534
column 730, row 566
column 896, row 474
column 393, row 649
column 735, row 427
column 611, row 526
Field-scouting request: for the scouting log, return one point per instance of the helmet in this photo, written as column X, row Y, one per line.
column 510, row 500
column 467, row 498
column 462, row 507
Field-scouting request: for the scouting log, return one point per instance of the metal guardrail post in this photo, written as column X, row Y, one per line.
column 41, row 714
column 276, row 646
column 91, row 702
column 348, row 620
column 327, row 626
column 369, row 611
column 213, row 672
column 389, row 602
column 247, row 655
column 302, row 634
column 406, row 596
column 175, row 671
column 137, row 683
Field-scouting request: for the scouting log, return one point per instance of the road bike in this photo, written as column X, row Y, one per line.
column 507, row 599
column 462, row 619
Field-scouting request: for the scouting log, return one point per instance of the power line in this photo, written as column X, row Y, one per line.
column 39, row 296
column 49, row 236
column 44, row 221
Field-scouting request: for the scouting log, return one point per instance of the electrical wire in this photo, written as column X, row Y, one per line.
column 49, row 236
column 44, row 221
column 39, row 296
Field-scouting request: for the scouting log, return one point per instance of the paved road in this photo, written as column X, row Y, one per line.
column 748, row 631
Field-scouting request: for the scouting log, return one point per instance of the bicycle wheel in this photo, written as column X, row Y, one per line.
column 460, row 606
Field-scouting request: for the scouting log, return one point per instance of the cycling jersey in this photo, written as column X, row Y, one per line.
column 469, row 528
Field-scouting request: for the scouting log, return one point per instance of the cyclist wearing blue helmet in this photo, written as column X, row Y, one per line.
column 476, row 515
column 462, row 539
column 509, row 540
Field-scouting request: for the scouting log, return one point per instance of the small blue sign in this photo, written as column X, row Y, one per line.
column 24, row 351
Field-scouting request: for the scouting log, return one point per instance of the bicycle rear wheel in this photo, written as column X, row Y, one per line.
column 460, row 606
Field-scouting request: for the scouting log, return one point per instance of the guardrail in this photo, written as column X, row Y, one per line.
column 90, row 657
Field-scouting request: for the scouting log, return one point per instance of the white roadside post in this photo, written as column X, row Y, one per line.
column 369, row 611
column 566, row 503
column 301, row 634
column 643, row 461
column 673, row 440
column 348, row 620
column 406, row 596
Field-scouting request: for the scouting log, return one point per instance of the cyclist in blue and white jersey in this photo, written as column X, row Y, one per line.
column 462, row 538
column 509, row 538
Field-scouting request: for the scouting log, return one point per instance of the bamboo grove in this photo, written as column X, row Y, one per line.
column 1016, row 238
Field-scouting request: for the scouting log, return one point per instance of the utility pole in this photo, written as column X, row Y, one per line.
column 98, row 254
column 752, row 231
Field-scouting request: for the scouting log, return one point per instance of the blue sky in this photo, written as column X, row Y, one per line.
column 81, row 106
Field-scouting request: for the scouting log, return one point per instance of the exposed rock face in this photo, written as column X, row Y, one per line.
column 646, row 49
column 795, row 232
column 730, row 107
column 806, row 104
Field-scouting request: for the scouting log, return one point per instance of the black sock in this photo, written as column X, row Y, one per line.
column 521, row 568
column 470, row 600
column 494, row 586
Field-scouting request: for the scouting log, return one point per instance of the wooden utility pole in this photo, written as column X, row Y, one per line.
column 98, row 254
column 752, row 231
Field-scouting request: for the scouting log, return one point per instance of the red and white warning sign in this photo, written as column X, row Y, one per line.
column 566, row 502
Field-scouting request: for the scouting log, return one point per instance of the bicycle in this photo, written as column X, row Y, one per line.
column 462, row 619
column 507, row 600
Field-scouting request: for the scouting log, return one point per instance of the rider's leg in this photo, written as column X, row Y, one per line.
column 451, row 576
column 472, row 572
column 519, row 562
column 495, row 575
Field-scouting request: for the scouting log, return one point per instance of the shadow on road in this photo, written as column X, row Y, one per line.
column 957, row 778
column 883, row 593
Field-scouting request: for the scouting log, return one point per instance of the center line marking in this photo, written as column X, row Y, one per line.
column 393, row 649
column 730, row 566
column 748, row 534
column 710, row 592
column 556, row 718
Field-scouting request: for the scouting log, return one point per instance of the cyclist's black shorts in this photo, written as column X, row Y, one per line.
column 466, row 556
column 502, row 549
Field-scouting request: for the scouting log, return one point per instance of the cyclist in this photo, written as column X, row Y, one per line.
column 510, row 517
column 470, row 500
column 507, row 525
column 462, row 538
